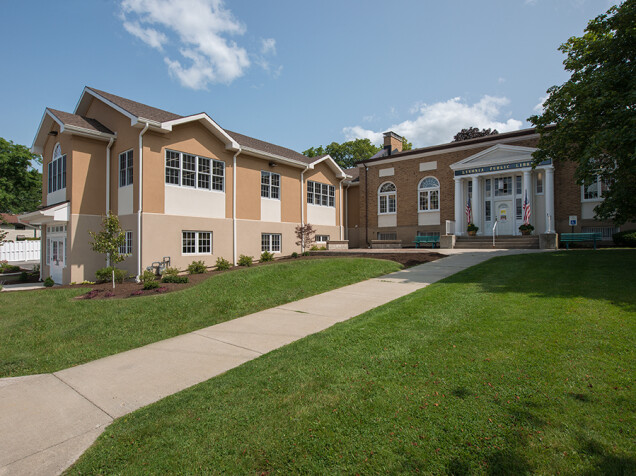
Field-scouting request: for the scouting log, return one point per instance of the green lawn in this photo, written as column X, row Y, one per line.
column 45, row 331
column 523, row 364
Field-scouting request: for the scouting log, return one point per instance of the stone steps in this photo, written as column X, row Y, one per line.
column 501, row 242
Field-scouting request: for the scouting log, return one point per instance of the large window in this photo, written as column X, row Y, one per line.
column 270, row 185
column 126, row 168
column 429, row 194
column 187, row 170
column 503, row 186
column 321, row 194
column 387, row 198
column 270, row 242
column 594, row 191
column 57, row 170
column 127, row 247
column 196, row 242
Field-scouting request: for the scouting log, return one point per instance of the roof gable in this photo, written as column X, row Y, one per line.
column 496, row 155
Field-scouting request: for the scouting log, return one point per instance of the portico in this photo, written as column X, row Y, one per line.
column 497, row 181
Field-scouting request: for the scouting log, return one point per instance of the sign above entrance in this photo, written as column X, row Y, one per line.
column 498, row 168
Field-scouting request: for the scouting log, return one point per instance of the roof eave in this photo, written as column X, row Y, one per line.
column 267, row 155
column 209, row 123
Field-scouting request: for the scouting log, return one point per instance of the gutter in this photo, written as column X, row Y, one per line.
column 234, row 237
column 140, row 205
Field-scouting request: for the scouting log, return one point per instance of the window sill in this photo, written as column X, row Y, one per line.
column 428, row 211
column 185, row 187
column 387, row 213
column 272, row 199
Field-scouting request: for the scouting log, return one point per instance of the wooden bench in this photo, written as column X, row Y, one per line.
column 421, row 240
column 568, row 238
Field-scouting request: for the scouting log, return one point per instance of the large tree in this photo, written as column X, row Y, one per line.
column 20, row 183
column 473, row 133
column 591, row 118
column 346, row 154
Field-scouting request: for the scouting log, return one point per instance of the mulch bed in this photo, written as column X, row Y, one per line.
column 131, row 289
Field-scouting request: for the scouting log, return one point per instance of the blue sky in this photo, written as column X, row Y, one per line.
column 294, row 72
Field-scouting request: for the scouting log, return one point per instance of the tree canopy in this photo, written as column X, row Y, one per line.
column 591, row 118
column 349, row 153
column 20, row 183
column 473, row 133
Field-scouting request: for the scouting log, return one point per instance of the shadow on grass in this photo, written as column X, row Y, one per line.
column 604, row 463
column 606, row 275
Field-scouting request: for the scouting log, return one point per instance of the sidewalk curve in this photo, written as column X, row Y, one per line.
column 49, row 420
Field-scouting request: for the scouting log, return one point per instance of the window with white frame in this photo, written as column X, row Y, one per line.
column 387, row 198
column 503, row 186
column 539, row 183
column 322, row 238
column 321, row 194
column 126, row 168
column 428, row 194
column 270, row 185
column 487, row 210
column 271, row 242
column 196, row 242
column 594, row 191
column 187, row 170
column 127, row 247
column 57, row 170
column 518, row 184
column 488, row 187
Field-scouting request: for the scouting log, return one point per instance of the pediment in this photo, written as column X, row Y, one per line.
column 496, row 155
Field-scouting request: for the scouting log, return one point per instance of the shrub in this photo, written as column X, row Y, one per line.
column 0, row 287
column 147, row 277
column 8, row 268
column 48, row 282
column 105, row 275
column 314, row 248
column 625, row 238
column 150, row 285
column 197, row 267
column 24, row 277
column 323, row 248
column 222, row 264
column 36, row 269
column 294, row 255
column 267, row 256
column 109, row 294
column 170, row 272
column 139, row 292
column 245, row 260
column 87, row 282
column 305, row 253
column 163, row 289
column 175, row 279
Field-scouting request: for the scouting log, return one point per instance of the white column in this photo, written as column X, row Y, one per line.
column 459, row 207
column 476, row 204
column 549, row 199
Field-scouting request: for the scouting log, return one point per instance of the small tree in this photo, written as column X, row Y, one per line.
column 305, row 234
column 3, row 234
column 473, row 133
column 109, row 241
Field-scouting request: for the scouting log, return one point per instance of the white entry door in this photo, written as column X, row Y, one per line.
column 57, row 259
column 504, row 216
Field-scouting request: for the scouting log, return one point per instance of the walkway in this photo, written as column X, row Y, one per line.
column 49, row 420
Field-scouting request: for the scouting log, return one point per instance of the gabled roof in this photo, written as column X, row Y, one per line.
column 247, row 142
column 133, row 109
column 354, row 173
column 68, row 119
column 495, row 155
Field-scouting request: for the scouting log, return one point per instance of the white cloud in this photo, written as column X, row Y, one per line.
column 199, row 28
column 501, row 80
column 268, row 46
column 438, row 123
column 539, row 107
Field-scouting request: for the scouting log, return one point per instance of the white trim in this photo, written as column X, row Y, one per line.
column 599, row 192
column 428, row 191
column 443, row 151
column 513, row 149
column 212, row 126
column 387, row 195
column 196, row 243
column 271, row 235
column 339, row 172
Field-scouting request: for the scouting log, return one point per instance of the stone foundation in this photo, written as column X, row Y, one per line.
column 549, row 241
column 338, row 245
column 386, row 244
column 447, row 241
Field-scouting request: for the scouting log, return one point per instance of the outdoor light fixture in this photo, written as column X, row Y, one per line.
column 53, row 133
column 273, row 164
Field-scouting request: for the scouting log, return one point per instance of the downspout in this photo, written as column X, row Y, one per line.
column 341, row 206
column 366, row 205
column 302, row 206
column 346, row 215
column 139, row 208
column 110, row 144
column 234, row 238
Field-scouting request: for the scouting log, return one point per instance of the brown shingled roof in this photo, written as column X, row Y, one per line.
column 138, row 109
column 9, row 218
column 250, row 142
column 80, row 121
column 354, row 172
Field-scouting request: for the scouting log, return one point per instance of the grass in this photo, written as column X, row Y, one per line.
column 524, row 364
column 45, row 331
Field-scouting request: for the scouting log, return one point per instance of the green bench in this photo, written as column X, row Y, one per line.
column 568, row 238
column 423, row 239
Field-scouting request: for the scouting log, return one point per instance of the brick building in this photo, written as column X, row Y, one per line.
column 397, row 195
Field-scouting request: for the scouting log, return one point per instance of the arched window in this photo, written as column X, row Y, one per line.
column 57, row 170
column 387, row 198
column 429, row 194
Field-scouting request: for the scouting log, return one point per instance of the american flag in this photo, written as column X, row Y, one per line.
column 469, row 211
column 526, row 210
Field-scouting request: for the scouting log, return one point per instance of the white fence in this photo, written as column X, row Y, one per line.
column 20, row 251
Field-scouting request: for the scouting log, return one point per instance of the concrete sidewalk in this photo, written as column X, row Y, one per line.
column 49, row 420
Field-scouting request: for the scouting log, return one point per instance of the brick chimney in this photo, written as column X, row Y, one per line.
column 392, row 141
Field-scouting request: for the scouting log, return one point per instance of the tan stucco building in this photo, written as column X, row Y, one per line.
column 182, row 186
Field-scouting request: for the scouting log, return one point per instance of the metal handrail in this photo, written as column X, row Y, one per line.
column 494, row 229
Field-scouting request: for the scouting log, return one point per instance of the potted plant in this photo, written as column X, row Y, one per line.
column 472, row 229
column 526, row 229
